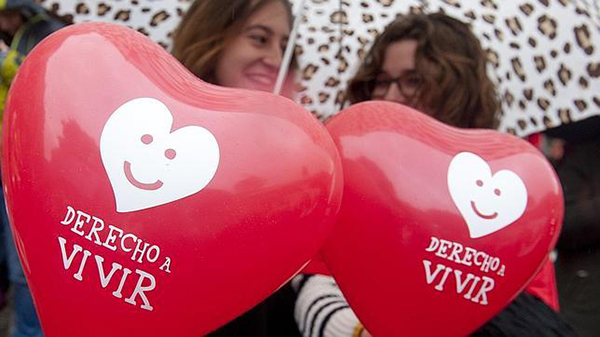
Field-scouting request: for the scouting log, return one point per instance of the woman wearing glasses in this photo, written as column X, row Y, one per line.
column 435, row 64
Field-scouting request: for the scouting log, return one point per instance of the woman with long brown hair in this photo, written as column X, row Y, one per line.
column 435, row 64
column 236, row 43
column 240, row 44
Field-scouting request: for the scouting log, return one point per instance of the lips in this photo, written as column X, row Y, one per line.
column 129, row 175
column 262, row 81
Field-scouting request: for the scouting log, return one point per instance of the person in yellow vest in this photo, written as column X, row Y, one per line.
column 23, row 24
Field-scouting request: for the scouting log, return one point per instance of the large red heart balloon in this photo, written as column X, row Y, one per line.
column 145, row 202
column 439, row 227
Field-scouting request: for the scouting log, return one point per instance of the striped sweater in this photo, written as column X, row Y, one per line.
column 321, row 309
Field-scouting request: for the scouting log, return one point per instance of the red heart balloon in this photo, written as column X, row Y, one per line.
column 145, row 202
column 439, row 227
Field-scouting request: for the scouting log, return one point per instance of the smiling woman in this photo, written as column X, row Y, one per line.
column 240, row 44
column 252, row 59
column 236, row 44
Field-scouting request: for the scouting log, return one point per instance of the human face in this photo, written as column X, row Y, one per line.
column 252, row 59
column 398, row 80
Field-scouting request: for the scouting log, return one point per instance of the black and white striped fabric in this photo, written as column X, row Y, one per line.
column 321, row 309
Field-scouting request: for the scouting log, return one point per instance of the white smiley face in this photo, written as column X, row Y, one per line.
column 487, row 202
column 147, row 164
column 170, row 154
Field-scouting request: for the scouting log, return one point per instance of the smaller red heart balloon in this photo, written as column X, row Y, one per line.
column 439, row 227
column 145, row 202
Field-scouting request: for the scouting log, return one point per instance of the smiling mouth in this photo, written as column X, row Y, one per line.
column 479, row 214
column 148, row 187
column 262, row 79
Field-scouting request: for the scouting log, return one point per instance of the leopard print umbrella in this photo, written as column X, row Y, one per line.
column 544, row 53
column 154, row 18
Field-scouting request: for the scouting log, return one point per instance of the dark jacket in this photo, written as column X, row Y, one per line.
column 274, row 317
column 578, row 264
column 526, row 315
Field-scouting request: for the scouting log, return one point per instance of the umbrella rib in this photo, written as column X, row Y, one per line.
column 287, row 55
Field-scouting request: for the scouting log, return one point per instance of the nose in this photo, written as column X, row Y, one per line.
column 273, row 56
column 394, row 94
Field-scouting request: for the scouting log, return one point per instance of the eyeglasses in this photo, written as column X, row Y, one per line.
column 408, row 84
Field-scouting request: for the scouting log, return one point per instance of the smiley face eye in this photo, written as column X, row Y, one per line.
column 497, row 192
column 146, row 139
column 479, row 183
column 170, row 154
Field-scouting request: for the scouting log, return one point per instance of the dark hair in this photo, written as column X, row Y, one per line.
column 449, row 59
column 206, row 29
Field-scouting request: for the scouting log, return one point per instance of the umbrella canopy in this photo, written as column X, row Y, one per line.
column 544, row 54
column 154, row 18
